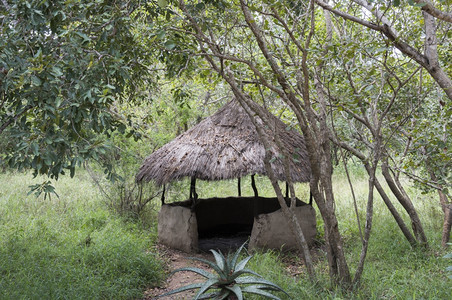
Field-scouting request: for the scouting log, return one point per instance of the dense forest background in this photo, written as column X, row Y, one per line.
column 89, row 88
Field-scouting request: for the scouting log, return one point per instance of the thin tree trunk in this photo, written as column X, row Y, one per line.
column 407, row 205
column 446, row 224
column 368, row 226
column 446, row 207
column 321, row 185
column 288, row 213
column 405, row 230
column 318, row 146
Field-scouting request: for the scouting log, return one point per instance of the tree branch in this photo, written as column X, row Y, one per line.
column 428, row 7
column 13, row 119
column 386, row 28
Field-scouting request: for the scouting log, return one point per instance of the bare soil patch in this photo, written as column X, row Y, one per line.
column 176, row 259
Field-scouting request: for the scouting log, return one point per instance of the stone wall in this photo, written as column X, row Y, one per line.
column 272, row 231
column 180, row 225
column 177, row 228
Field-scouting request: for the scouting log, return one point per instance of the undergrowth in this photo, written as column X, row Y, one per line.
column 71, row 247
column 74, row 247
column 393, row 270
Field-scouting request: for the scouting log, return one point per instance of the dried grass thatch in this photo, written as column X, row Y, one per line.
column 226, row 145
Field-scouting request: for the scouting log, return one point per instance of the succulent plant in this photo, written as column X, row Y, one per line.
column 229, row 280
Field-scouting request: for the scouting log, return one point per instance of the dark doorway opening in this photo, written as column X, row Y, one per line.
column 226, row 223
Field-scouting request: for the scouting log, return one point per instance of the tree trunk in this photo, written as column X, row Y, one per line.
column 320, row 160
column 406, row 232
column 288, row 213
column 429, row 60
column 322, row 191
column 446, row 224
column 407, row 205
column 446, row 207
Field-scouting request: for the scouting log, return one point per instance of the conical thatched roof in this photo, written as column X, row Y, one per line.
column 225, row 146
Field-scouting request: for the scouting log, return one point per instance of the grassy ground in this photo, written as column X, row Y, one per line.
column 393, row 270
column 71, row 247
column 74, row 247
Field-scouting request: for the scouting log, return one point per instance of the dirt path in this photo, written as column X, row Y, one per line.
column 175, row 260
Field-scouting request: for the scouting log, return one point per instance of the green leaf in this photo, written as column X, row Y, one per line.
column 218, row 295
column 219, row 258
column 36, row 81
column 56, row 72
column 182, row 289
column 83, row 36
column 257, row 291
column 199, row 271
column 206, row 285
column 170, row 45
column 242, row 263
column 161, row 34
column 162, row 3
column 244, row 271
column 257, row 280
column 209, row 263
column 236, row 290
column 34, row 148
column 236, row 256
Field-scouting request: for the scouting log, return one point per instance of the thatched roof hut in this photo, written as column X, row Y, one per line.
column 226, row 145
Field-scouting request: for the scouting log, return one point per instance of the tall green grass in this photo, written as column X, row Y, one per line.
column 74, row 247
column 71, row 247
column 393, row 270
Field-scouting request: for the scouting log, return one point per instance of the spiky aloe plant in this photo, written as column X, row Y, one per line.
column 227, row 282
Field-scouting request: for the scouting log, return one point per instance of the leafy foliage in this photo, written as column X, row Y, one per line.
column 228, row 280
column 62, row 65
column 46, row 187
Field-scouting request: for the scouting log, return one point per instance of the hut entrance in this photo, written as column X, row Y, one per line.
column 226, row 223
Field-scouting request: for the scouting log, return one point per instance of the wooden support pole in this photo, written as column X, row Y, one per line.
column 193, row 194
column 163, row 195
column 256, row 197
column 239, row 188
column 287, row 189
column 253, row 185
